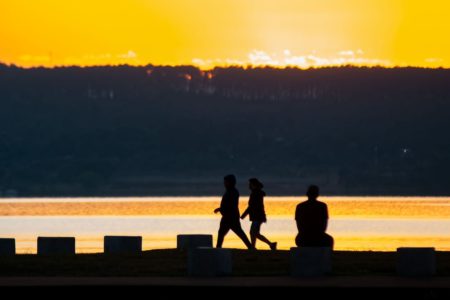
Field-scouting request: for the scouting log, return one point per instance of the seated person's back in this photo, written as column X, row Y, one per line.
column 312, row 221
column 312, row 217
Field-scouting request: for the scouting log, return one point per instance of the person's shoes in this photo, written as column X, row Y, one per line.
column 273, row 246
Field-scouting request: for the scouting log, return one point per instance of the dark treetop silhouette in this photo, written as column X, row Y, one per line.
column 257, row 213
column 229, row 208
column 312, row 221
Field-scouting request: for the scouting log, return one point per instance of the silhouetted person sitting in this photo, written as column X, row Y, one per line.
column 229, row 208
column 312, row 221
column 257, row 213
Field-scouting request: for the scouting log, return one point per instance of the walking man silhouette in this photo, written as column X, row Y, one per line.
column 229, row 209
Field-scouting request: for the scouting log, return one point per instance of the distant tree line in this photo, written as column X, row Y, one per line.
column 176, row 130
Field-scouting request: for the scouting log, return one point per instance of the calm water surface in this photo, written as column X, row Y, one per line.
column 357, row 223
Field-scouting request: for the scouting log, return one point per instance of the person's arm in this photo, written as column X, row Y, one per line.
column 221, row 208
column 297, row 218
column 246, row 212
column 325, row 219
column 248, row 209
column 298, row 226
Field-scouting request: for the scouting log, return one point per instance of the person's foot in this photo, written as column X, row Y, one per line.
column 252, row 248
column 273, row 246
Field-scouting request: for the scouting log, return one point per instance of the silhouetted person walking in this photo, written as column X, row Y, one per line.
column 257, row 213
column 229, row 208
column 312, row 221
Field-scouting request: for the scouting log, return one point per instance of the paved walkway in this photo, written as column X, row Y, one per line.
column 332, row 282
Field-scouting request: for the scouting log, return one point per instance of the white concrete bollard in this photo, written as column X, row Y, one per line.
column 416, row 262
column 7, row 247
column 209, row 262
column 56, row 245
column 191, row 241
column 311, row 261
column 122, row 244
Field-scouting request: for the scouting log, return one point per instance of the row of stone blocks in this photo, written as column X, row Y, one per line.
column 203, row 260
column 66, row 245
column 112, row 244
column 309, row 262
column 213, row 262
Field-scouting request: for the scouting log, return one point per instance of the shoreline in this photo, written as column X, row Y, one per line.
column 215, row 193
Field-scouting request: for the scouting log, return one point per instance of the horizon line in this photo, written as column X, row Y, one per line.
column 227, row 66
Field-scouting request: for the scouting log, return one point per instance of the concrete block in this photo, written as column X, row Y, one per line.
column 56, row 245
column 7, row 247
column 122, row 244
column 416, row 262
column 191, row 241
column 311, row 261
column 209, row 262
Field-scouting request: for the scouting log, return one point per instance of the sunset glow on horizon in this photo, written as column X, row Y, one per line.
column 225, row 32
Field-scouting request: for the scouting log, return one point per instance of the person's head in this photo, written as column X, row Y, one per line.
column 312, row 192
column 229, row 181
column 255, row 184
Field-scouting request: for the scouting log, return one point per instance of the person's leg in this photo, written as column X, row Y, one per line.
column 241, row 234
column 264, row 239
column 328, row 241
column 298, row 241
column 253, row 233
column 306, row 241
column 223, row 230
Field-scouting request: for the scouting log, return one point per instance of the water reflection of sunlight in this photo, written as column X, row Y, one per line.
column 354, row 207
column 357, row 223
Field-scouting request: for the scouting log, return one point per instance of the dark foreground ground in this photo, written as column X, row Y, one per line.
column 161, row 274
column 172, row 263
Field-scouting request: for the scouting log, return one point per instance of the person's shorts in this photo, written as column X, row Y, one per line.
column 255, row 228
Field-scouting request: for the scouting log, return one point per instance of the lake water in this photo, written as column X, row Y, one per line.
column 357, row 223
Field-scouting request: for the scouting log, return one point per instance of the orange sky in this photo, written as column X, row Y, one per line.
column 217, row 32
